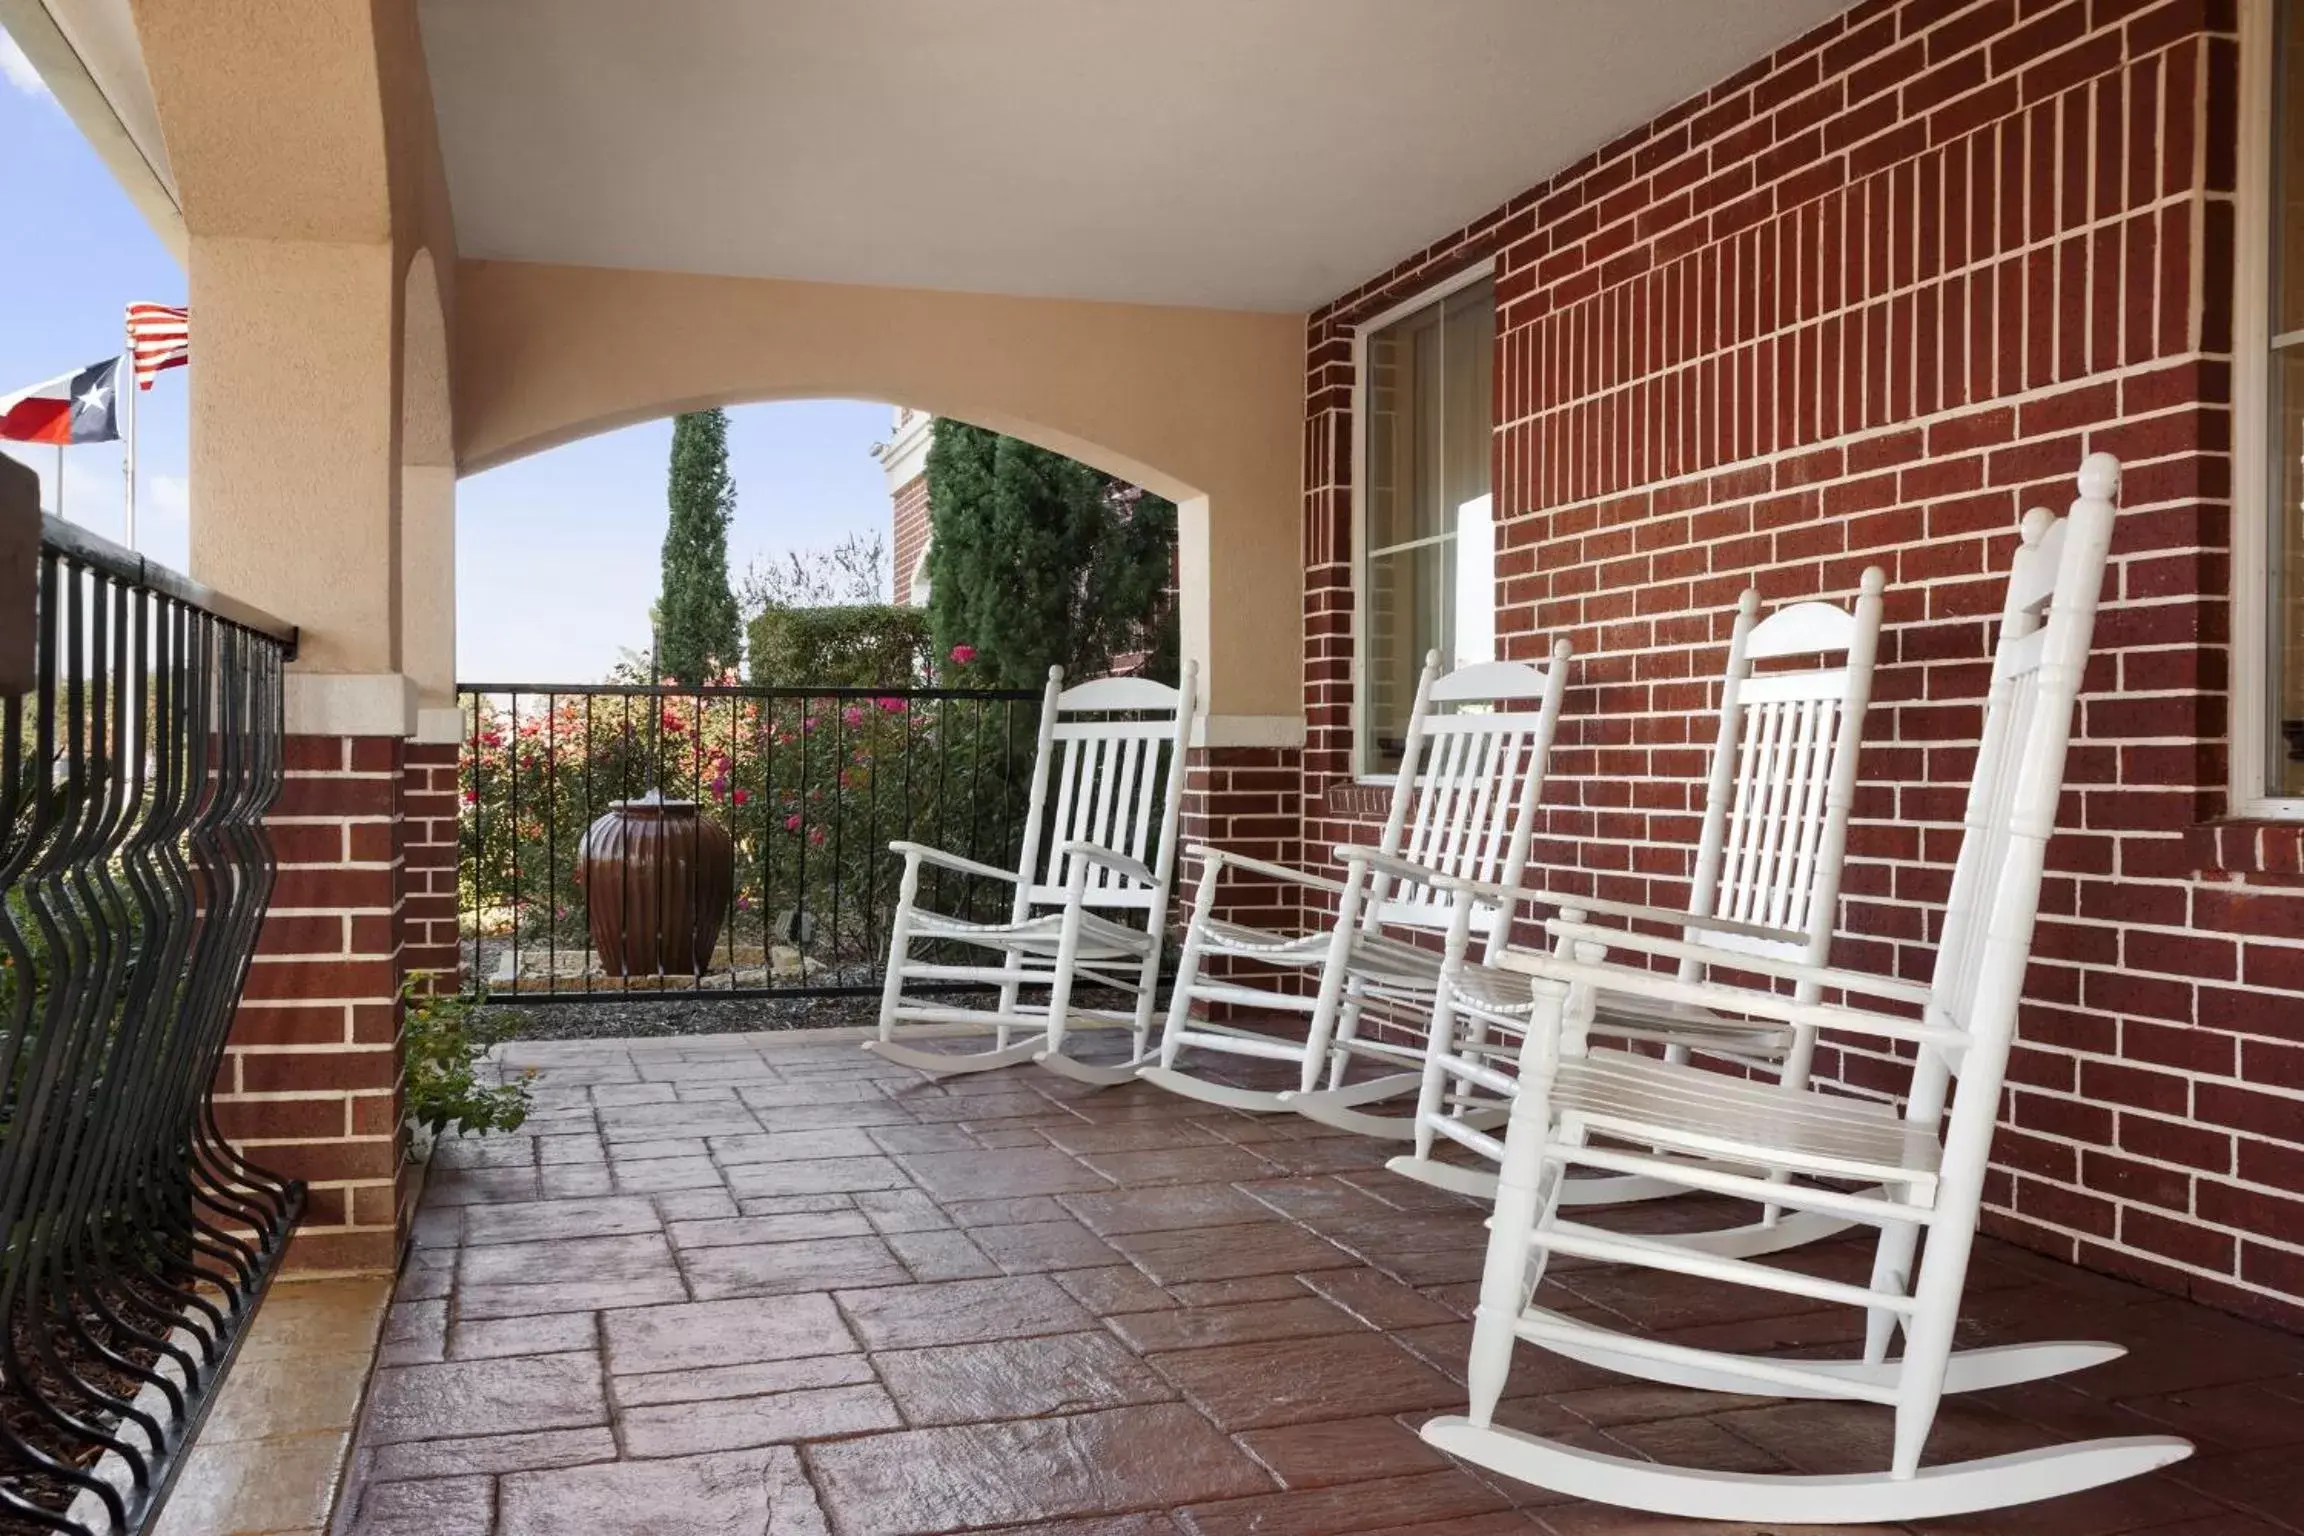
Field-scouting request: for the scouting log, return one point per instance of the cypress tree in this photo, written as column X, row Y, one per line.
column 1035, row 558
column 697, row 627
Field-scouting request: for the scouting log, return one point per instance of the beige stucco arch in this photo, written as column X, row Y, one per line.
column 427, row 490
column 1202, row 406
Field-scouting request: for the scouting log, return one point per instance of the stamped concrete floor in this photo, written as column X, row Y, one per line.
column 770, row 1285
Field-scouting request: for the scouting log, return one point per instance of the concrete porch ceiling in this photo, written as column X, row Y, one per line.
column 1240, row 154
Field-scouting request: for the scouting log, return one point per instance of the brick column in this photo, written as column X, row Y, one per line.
column 1243, row 800
column 310, row 1085
column 428, row 848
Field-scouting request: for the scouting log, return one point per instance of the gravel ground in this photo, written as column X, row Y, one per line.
column 691, row 1013
column 685, row 1013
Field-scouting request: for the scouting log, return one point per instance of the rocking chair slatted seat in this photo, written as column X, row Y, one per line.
column 1925, row 1161
column 1091, row 888
column 1766, row 885
column 1464, row 804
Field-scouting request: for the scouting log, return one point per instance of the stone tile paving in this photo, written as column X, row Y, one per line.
column 771, row 1285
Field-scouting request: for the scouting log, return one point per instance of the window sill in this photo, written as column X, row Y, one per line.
column 2261, row 847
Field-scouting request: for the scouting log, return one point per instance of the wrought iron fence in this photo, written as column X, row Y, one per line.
column 590, row 866
column 140, row 743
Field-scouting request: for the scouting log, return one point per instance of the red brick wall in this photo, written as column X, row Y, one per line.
column 310, row 1084
column 1861, row 304
column 1238, row 799
column 908, row 520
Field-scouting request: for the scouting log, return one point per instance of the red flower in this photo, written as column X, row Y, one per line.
column 963, row 654
column 743, row 795
column 792, row 822
column 471, row 797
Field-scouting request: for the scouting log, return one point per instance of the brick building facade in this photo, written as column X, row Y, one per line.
column 904, row 460
column 1863, row 303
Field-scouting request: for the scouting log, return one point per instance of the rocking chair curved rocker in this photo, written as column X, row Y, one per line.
column 1923, row 1165
column 1089, row 893
column 1472, row 769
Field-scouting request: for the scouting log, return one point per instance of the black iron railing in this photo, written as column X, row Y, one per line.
column 140, row 743
column 810, row 785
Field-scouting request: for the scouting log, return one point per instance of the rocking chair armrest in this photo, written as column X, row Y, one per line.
column 1498, row 892
column 1364, row 856
column 938, row 856
column 1678, row 921
column 1662, row 986
column 1097, row 853
column 1674, row 947
column 1224, row 858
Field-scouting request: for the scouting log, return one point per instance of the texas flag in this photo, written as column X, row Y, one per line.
column 77, row 408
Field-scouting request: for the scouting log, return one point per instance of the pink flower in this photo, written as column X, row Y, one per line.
column 963, row 654
column 720, row 786
column 808, row 724
column 816, row 835
column 792, row 822
column 471, row 797
column 743, row 795
column 893, row 706
column 743, row 903
column 852, row 715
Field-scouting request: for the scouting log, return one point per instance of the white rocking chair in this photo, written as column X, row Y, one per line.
column 1781, row 785
column 1928, row 1160
column 1464, row 804
column 1091, row 905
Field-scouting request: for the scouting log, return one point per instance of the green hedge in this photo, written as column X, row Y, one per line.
column 876, row 645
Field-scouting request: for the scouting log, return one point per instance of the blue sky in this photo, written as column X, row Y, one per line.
column 556, row 555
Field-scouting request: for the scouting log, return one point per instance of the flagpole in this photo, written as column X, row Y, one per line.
column 128, row 466
column 60, row 481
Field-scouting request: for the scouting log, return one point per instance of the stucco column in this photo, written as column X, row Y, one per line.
column 1240, row 585
column 294, row 459
column 303, row 155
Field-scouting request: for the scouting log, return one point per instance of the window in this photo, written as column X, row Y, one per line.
column 2268, row 526
column 1427, row 571
column 2284, row 742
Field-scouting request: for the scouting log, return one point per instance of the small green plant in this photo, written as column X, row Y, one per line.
column 445, row 1037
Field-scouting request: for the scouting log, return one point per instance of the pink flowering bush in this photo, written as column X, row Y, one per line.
column 811, row 789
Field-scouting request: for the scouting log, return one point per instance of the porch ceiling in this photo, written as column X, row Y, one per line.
column 1239, row 154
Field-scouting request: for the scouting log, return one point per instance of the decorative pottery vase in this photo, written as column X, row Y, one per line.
column 657, row 880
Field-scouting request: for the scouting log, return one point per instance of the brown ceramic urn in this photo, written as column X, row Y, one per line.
column 657, row 878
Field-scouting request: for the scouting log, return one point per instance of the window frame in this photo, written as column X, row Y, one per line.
column 2251, row 713
column 1468, row 277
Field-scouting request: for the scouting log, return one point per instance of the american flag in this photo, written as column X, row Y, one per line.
column 160, row 337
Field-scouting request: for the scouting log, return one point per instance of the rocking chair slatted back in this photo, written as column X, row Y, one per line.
column 1108, row 771
column 1783, row 776
column 1465, row 804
